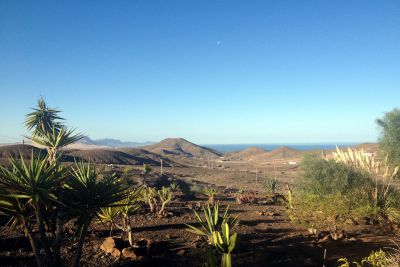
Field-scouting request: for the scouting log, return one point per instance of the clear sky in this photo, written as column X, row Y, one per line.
column 208, row 71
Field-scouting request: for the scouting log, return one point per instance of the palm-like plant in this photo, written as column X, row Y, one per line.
column 85, row 195
column 29, row 191
column 43, row 118
column 55, row 139
column 110, row 215
column 212, row 222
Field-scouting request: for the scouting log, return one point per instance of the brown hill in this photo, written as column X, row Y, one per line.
column 179, row 147
column 114, row 157
column 142, row 153
column 258, row 154
column 14, row 151
column 246, row 154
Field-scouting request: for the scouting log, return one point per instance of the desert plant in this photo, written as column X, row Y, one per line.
column 48, row 130
column 29, row 190
column 174, row 187
column 146, row 169
column 165, row 197
column 124, row 208
column 212, row 222
column 149, row 195
column 270, row 186
column 330, row 192
column 85, row 195
column 110, row 215
column 210, row 192
column 238, row 196
column 375, row 259
column 225, row 244
column 384, row 198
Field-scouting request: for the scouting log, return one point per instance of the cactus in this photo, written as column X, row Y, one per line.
column 165, row 197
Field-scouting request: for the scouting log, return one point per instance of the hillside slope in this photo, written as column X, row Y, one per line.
column 181, row 148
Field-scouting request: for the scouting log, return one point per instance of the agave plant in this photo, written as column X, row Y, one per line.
column 225, row 244
column 212, row 222
column 210, row 192
column 86, row 194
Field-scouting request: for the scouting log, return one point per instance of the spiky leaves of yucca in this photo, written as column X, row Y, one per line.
column 43, row 118
column 225, row 244
column 212, row 222
column 28, row 194
column 86, row 194
column 55, row 139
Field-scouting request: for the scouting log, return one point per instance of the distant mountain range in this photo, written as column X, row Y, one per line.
column 112, row 142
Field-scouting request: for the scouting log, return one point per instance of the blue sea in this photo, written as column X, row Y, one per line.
column 238, row 147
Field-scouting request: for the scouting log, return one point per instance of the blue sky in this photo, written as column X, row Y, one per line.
column 208, row 71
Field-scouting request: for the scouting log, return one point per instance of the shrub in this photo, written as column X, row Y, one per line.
column 330, row 192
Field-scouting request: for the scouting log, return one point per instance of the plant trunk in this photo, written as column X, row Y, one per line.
column 226, row 260
column 79, row 246
column 43, row 237
column 161, row 211
column 33, row 243
column 130, row 236
column 59, row 229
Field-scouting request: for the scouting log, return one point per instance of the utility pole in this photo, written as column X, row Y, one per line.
column 256, row 174
column 161, row 170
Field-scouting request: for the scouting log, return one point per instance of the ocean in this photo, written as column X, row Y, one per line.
column 238, row 147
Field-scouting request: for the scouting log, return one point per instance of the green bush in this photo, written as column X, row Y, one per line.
column 329, row 194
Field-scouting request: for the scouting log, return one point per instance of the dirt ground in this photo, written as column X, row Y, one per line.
column 265, row 239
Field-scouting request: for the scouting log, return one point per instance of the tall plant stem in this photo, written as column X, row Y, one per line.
column 79, row 246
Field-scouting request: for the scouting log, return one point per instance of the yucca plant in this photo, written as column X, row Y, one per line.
column 127, row 207
column 212, row 222
column 48, row 131
column 86, row 194
column 29, row 191
column 165, row 197
column 225, row 244
column 110, row 215
column 210, row 192
column 43, row 118
column 55, row 139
